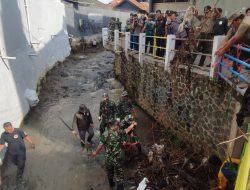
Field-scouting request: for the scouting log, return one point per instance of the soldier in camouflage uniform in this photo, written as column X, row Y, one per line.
column 124, row 106
column 107, row 112
column 112, row 141
column 111, row 28
column 131, row 139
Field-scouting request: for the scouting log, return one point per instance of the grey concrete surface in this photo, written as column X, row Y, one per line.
column 58, row 162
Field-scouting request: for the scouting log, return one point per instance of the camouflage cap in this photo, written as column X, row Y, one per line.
column 129, row 118
column 114, row 122
column 105, row 95
column 124, row 93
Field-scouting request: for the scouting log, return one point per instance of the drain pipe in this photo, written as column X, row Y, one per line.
column 28, row 21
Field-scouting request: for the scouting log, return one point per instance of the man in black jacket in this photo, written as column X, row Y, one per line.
column 84, row 123
column 160, row 32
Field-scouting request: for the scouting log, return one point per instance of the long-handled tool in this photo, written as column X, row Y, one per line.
column 71, row 129
column 77, row 136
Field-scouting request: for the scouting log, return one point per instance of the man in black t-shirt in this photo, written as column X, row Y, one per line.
column 16, row 151
column 160, row 23
column 220, row 24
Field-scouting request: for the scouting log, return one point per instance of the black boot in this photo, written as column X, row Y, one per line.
column 111, row 183
column 20, row 183
column 82, row 145
column 120, row 186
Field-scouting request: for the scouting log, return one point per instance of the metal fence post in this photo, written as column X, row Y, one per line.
column 104, row 36
column 127, row 43
column 170, row 46
column 116, row 40
column 142, row 42
column 214, row 61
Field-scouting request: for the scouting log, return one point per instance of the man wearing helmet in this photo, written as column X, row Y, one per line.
column 107, row 112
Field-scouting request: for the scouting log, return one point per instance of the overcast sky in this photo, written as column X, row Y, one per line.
column 105, row 1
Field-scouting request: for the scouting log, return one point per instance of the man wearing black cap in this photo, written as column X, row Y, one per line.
column 84, row 123
column 205, row 32
column 160, row 32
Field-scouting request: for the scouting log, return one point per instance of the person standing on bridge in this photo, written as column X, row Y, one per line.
column 84, row 123
column 16, row 150
column 112, row 141
column 160, row 23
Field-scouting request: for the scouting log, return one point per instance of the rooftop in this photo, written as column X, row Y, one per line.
column 141, row 5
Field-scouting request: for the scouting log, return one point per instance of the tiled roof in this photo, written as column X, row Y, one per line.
column 140, row 5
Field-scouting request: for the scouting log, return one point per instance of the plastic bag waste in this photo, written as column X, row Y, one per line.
column 143, row 184
column 31, row 97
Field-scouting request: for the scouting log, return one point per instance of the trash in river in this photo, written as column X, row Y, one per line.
column 31, row 97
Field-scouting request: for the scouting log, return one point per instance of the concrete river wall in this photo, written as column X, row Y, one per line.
column 33, row 37
column 194, row 107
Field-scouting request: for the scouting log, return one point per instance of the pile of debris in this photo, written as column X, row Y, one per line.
column 171, row 165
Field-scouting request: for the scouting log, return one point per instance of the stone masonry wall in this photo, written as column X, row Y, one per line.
column 199, row 113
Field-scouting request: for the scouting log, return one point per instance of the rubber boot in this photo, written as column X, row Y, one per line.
column 20, row 183
column 111, row 183
column 82, row 145
column 120, row 186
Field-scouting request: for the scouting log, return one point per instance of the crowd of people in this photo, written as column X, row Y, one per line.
column 203, row 27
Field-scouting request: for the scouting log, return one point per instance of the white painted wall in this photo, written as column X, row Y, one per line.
column 48, row 29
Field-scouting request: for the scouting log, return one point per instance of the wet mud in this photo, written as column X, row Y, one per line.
column 59, row 162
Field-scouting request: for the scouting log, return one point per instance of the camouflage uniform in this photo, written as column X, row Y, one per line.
column 124, row 106
column 107, row 112
column 131, row 136
column 118, row 25
column 111, row 28
column 112, row 141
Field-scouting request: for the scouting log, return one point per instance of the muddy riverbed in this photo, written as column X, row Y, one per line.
column 59, row 162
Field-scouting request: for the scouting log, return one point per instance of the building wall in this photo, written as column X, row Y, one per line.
column 94, row 19
column 49, row 35
column 170, row 6
column 198, row 110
